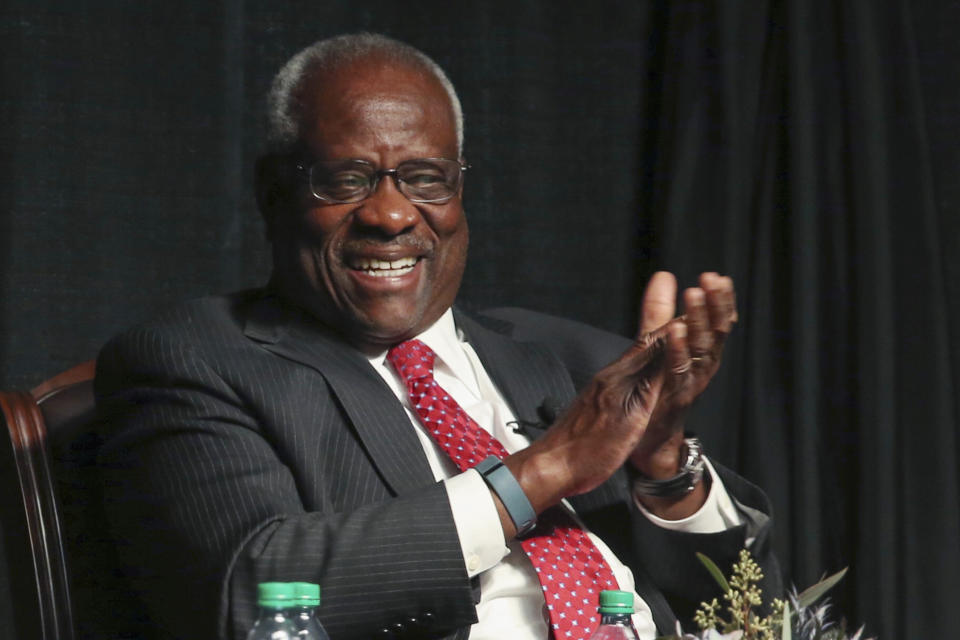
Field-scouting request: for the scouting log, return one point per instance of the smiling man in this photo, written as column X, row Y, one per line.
column 441, row 475
column 376, row 255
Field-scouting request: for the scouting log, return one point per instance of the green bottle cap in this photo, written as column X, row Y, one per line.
column 616, row 602
column 275, row 595
column 306, row 593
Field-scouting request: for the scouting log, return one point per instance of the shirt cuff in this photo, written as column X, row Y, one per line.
column 477, row 521
column 717, row 513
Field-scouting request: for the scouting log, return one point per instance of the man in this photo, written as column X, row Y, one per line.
column 283, row 434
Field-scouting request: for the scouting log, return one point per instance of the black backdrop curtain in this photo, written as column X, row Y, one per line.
column 810, row 149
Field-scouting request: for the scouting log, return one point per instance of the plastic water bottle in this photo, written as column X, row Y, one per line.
column 616, row 607
column 303, row 612
column 275, row 600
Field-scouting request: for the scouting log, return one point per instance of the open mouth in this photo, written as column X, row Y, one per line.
column 383, row 268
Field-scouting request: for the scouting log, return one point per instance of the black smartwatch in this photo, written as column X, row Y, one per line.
column 501, row 481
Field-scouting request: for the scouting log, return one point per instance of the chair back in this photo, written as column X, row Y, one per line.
column 33, row 551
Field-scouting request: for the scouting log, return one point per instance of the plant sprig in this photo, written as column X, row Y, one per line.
column 739, row 619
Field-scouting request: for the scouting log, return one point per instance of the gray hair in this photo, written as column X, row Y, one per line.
column 284, row 109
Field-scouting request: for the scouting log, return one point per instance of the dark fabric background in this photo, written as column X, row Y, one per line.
column 810, row 149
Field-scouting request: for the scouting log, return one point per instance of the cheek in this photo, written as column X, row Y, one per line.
column 309, row 240
column 449, row 223
column 318, row 233
column 321, row 224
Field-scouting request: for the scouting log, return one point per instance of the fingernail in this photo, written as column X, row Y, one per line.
column 679, row 329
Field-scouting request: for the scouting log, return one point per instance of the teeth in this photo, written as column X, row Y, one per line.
column 384, row 268
column 387, row 273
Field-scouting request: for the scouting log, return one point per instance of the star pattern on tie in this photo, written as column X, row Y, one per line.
column 569, row 566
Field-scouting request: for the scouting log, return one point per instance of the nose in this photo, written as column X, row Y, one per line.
column 386, row 210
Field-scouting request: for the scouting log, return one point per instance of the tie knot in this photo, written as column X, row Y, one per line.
column 412, row 359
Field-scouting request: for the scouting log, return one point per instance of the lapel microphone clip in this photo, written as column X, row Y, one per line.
column 548, row 411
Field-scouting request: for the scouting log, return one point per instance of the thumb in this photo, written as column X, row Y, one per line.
column 659, row 302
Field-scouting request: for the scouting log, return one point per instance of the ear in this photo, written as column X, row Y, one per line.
column 271, row 184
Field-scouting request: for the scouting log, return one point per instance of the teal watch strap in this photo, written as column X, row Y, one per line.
column 501, row 482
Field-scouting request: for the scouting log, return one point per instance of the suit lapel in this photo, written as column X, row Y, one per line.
column 525, row 373
column 370, row 406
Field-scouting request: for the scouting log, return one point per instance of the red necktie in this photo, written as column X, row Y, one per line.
column 569, row 566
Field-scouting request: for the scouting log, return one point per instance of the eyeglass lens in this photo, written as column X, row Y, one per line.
column 420, row 180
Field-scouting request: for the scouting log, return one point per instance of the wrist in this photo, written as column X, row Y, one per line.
column 679, row 495
column 684, row 481
column 539, row 476
column 677, row 507
column 662, row 461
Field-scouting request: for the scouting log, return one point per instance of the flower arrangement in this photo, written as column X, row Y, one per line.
column 793, row 618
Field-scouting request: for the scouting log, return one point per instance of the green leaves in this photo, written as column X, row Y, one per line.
column 813, row 593
column 786, row 632
column 715, row 572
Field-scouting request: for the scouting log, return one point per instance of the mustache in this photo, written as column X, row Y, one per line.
column 361, row 245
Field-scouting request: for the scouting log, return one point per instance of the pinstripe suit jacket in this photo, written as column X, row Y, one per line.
column 244, row 442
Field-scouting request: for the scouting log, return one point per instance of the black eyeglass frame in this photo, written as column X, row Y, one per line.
column 378, row 174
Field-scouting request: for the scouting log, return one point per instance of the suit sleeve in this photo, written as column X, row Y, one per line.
column 669, row 557
column 202, row 509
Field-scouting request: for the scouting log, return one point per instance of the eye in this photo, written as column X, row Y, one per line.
column 424, row 177
column 422, row 174
column 345, row 182
column 347, row 179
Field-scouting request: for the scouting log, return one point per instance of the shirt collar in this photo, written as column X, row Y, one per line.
column 445, row 341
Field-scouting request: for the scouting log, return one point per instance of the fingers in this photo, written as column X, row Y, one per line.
column 721, row 301
column 677, row 354
column 659, row 302
column 710, row 312
column 696, row 339
column 700, row 332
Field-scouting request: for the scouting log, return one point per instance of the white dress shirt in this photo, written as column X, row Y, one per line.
column 511, row 602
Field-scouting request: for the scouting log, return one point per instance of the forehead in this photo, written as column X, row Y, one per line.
column 373, row 106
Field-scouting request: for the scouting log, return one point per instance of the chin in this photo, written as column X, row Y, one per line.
column 379, row 330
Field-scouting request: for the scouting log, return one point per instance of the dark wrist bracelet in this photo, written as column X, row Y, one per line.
column 684, row 482
column 501, row 481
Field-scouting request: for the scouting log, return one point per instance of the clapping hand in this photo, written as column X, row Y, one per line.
column 634, row 408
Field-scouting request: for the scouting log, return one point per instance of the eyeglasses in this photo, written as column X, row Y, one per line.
column 422, row 180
